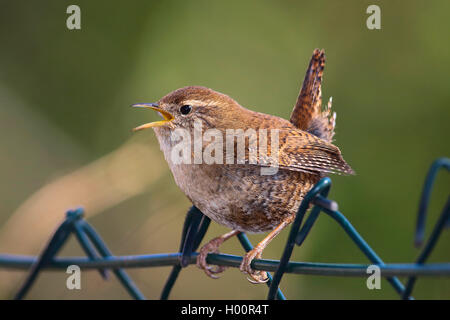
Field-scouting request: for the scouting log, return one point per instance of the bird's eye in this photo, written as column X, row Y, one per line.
column 185, row 109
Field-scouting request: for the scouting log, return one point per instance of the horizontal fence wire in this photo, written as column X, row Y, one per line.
column 227, row 260
column 99, row 257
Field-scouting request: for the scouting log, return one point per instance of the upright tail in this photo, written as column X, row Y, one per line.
column 308, row 114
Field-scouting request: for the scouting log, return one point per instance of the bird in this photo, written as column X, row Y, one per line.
column 233, row 191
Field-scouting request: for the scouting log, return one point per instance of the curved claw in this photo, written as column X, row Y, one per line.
column 212, row 271
column 210, row 247
column 257, row 276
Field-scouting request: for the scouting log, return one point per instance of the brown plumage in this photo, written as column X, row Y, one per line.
column 232, row 190
column 308, row 114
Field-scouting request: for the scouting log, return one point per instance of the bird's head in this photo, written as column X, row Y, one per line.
column 182, row 107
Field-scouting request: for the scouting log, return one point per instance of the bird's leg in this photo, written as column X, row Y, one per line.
column 259, row 276
column 213, row 247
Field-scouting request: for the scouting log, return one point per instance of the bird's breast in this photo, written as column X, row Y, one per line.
column 238, row 196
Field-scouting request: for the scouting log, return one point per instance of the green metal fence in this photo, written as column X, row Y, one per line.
column 99, row 257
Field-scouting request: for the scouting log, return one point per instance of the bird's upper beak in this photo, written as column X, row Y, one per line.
column 166, row 115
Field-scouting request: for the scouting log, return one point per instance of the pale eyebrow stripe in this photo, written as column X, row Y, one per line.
column 194, row 102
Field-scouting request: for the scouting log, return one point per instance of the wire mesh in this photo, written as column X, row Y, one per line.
column 99, row 257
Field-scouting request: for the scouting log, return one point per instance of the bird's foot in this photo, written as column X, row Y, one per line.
column 257, row 276
column 210, row 247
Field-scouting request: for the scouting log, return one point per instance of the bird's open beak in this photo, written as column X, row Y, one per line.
column 166, row 115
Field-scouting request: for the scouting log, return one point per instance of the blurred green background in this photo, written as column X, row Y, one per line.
column 66, row 140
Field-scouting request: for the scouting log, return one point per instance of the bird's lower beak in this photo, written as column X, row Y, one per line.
column 166, row 115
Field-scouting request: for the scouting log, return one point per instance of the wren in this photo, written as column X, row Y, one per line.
column 236, row 194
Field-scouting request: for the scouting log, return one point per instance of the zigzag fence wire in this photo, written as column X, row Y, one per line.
column 99, row 257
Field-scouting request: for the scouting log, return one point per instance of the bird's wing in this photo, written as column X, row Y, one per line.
column 307, row 114
column 301, row 151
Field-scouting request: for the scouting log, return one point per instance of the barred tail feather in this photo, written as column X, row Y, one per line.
column 308, row 114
